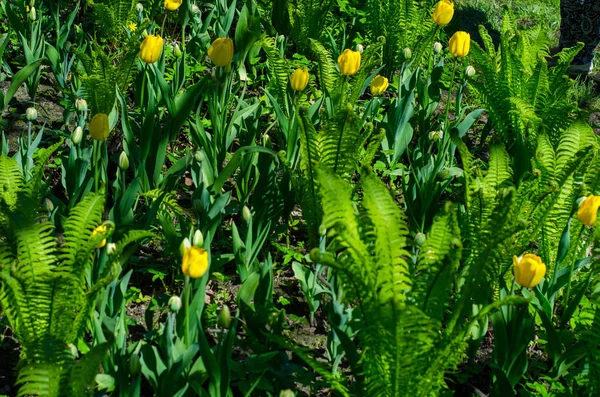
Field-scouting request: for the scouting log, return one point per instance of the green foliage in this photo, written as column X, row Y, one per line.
column 403, row 24
column 112, row 15
column 524, row 97
column 44, row 292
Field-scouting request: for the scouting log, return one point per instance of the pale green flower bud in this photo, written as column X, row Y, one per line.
column 195, row 9
column 111, row 248
column 287, row 393
column 198, row 239
column 175, row 304
column 246, row 214
column 32, row 14
column 437, row 47
column 407, row 53
column 177, row 51
column 31, row 114
column 470, row 71
column 139, row 7
column 123, row 161
column 224, row 319
column 359, row 48
column 77, row 135
column 48, row 205
column 420, row 239
column 81, row 104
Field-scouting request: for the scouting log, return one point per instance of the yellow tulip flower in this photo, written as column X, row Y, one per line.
column 100, row 230
column 299, row 79
column 588, row 210
column 528, row 270
column 349, row 62
column 151, row 48
column 460, row 44
column 195, row 262
column 378, row 85
column 443, row 12
column 98, row 126
column 172, row 5
column 221, row 52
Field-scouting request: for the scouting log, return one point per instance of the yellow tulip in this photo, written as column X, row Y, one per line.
column 172, row 5
column 221, row 52
column 588, row 210
column 195, row 262
column 99, row 127
column 528, row 270
column 151, row 48
column 100, row 230
column 299, row 79
column 443, row 12
column 460, row 44
column 379, row 84
column 349, row 62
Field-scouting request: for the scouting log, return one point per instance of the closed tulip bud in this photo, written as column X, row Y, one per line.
column 437, row 47
column 221, row 51
column 174, row 304
column 135, row 366
column 195, row 262
column 185, row 245
column 299, row 79
column 139, row 8
column 378, row 85
column 48, row 205
column 246, row 214
column 32, row 14
column 528, row 270
column 177, row 51
column 173, row 5
column 443, row 174
column 224, row 319
column 77, row 135
column 267, row 141
column 198, row 156
column 145, row 33
column 287, row 393
column 322, row 230
column 470, row 71
column 359, row 48
column 459, row 44
column 588, row 210
column 443, row 12
column 100, row 230
column 349, row 62
column 73, row 350
column 198, row 239
column 123, row 161
column 111, row 248
column 420, row 239
column 315, row 255
column 151, row 48
column 99, row 128
column 407, row 53
column 195, row 9
column 31, row 114
column 81, row 104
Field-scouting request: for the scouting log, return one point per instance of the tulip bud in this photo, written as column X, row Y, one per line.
column 436, row 135
column 175, row 304
column 135, row 366
column 177, row 51
column 123, row 161
column 407, row 53
column 470, row 71
column 287, row 393
column 460, row 44
column 420, row 239
column 197, row 204
column 68, row 45
column 73, row 350
column 315, row 255
column 81, row 104
column 224, row 319
column 195, row 9
column 151, row 48
column 588, row 210
column 267, row 141
column 443, row 174
column 172, row 5
column 322, row 230
column 139, row 8
column 437, row 47
column 299, row 79
column 349, row 62
column 359, row 48
column 2, row 77
column 77, row 135
column 185, row 245
column 31, row 114
column 246, row 214
column 99, row 127
column 145, row 33
column 111, row 248
column 32, row 14
column 48, row 205
column 198, row 239
column 198, row 155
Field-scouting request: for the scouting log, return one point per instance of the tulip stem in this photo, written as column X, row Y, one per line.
column 446, row 129
column 162, row 28
column 186, row 310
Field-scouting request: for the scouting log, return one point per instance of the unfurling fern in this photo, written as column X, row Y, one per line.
column 412, row 334
column 44, row 293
